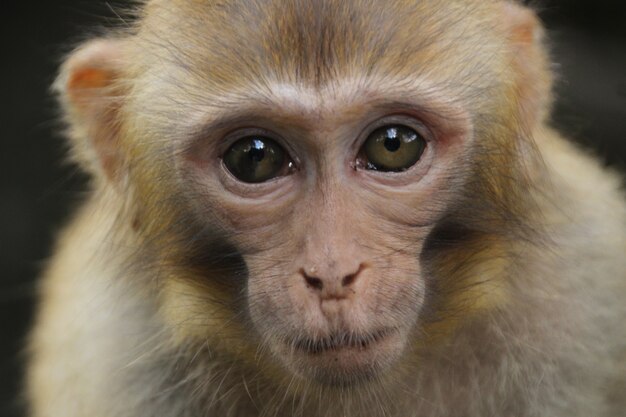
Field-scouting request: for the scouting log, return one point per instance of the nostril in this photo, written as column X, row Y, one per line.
column 333, row 285
column 312, row 281
column 350, row 279
column 315, row 282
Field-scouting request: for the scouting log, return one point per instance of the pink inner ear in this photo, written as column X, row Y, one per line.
column 530, row 62
column 522, row 21
column 524, row 34
column 88, row 82
column 92, row 67
column 87, row 79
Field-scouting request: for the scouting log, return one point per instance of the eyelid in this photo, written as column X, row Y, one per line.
column 234, row 135
column 398, row 119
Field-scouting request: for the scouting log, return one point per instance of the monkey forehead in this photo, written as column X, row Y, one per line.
column 324, row 111
column 218, row 47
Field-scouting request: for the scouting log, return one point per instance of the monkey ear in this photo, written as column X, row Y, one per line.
column 91, row 92
column 533, row 79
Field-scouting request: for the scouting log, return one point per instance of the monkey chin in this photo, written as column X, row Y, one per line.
column 342, row 359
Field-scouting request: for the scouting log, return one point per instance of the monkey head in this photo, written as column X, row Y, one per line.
column 303, row 178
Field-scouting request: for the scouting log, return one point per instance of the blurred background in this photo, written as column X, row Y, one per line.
column 38, row 191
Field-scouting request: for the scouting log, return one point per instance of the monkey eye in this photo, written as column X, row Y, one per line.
column 256, row 159
column 392, row 148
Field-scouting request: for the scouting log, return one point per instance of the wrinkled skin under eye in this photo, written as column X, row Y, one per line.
column 255, row 159
column 393, row 148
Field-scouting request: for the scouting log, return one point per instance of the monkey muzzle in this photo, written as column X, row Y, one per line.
column 343, row 358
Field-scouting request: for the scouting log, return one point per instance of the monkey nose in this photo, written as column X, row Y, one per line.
column 332, row 285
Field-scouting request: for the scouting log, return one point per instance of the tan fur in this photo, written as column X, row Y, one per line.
column 498, row 262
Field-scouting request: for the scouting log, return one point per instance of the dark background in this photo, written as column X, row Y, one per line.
column 38, row 191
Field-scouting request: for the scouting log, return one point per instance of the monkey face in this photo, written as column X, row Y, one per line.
column 326, row 181
column 329, row 207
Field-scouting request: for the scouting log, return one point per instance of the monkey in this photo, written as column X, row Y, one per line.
column 329, row 208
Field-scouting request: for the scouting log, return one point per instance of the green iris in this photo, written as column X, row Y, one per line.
column 255, row 159
column 393, row 148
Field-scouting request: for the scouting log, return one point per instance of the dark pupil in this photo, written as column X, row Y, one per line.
column 257, row 151
column 392, row 141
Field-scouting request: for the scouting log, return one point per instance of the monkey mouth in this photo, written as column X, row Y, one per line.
column 344, row 358
column 341, row 341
